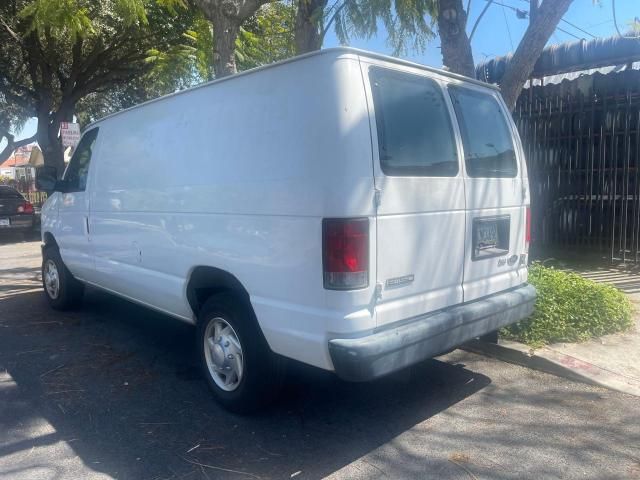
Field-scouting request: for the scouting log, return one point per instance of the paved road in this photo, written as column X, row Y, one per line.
column 112, row 391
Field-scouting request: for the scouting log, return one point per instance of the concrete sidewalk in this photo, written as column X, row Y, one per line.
column 612, row 361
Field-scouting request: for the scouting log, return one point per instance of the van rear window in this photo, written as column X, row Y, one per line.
column 415, row 136
column 486, row 138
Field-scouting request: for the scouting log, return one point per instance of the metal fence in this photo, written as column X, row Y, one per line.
column 35, row 198
column 581, row 140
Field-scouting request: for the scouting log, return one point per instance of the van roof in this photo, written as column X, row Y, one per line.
column 334, row 50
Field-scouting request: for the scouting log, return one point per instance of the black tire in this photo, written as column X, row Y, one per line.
column 70, row 290
column 262, row 371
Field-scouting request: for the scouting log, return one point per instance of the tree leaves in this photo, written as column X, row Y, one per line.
column 57, row 18
column 409, row 23
column 266, row 37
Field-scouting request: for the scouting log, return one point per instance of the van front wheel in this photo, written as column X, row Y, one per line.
column 62, row 290
column 242, row 372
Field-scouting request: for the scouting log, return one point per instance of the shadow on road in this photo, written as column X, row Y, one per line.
column 123, row 382
column 8, row 237
column 118, row 384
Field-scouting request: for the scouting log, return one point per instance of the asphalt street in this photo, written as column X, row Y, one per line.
column 112, row 391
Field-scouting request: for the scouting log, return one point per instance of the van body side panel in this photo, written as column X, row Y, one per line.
column 238, row 176
column 72, row 235
column 420, row 218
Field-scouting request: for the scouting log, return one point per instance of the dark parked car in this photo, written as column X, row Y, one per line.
column 16, row 213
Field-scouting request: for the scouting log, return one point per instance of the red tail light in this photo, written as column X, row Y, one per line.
column 26, row 207
column 527, row 234
column 345, row 253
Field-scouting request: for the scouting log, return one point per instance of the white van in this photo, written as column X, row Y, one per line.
column 348, row 210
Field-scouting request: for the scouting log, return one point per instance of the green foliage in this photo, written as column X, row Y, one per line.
column 50, row 42
column 201, row 37
column 57, row 18
column 12, row 117
column 176, row 67
column 267, row 36
column 409, row 23
column 147, row 48
column 77, row 17
column 84, row 57
column 570, row 308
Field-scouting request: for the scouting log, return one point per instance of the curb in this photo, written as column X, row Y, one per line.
column 556, row 363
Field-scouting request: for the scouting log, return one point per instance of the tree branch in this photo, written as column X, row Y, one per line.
column 13, row 145
column 249, row 7
column 325, row 30
column 475, row 25
column 100, row 81
column 13, row 34
column 19, row 89
column 18, row 100
column 519, row 69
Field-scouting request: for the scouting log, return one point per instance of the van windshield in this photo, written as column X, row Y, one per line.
column 415, row 136
column 488, row 146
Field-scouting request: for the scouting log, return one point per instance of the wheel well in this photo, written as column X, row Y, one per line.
column 49, row 240
column 207, row 281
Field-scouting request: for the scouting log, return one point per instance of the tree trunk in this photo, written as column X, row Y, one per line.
column 533, row 10
column 227, row 16
column 225, row 33
column 308, row 26
column 546, row 19
column 49, row 142
column 455, row 45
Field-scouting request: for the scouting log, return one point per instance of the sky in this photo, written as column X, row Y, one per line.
column 498, row 33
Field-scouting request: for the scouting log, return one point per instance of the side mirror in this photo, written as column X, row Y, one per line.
column 46, row 178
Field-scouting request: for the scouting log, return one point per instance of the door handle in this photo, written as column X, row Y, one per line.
column 86, row 225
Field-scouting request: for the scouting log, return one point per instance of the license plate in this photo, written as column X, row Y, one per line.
column 490, row 237
column 4, row 222
column 487, row 235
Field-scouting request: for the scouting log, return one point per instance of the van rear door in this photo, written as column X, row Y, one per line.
column 496, row 192
column 421, row 207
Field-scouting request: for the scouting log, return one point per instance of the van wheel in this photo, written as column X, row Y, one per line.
column 240, row 369
column 62, row 290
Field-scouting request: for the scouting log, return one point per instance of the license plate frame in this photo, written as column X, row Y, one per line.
column 490, row 236
column 5, row 222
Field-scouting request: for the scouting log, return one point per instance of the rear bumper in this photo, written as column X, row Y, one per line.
column 388, row 350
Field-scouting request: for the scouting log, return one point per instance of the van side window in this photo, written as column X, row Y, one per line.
column 486, row 138
column 75, row 176
column 415, row 136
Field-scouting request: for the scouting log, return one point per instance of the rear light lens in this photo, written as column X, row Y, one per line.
column 26, row 207
column 527, row 234
column 345, row 253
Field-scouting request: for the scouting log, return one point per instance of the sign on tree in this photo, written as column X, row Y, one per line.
column 70, row 133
